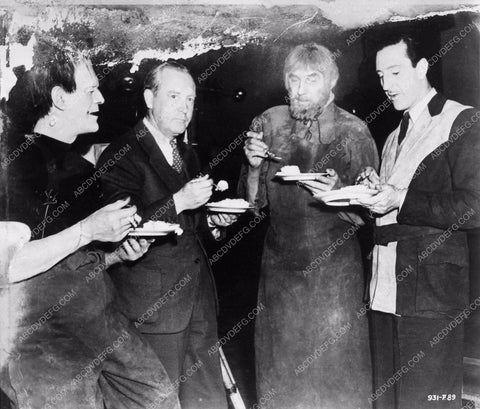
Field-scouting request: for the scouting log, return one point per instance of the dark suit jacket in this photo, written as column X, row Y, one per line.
column 441, row 206
column 159, row 289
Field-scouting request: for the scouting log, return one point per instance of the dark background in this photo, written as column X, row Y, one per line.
column 221, row 115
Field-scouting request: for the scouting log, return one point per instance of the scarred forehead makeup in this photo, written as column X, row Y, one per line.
column 92, row 80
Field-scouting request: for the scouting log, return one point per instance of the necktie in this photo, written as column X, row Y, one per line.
column 177, row 160
column 403, row 127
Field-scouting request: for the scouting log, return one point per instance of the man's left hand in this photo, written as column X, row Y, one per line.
column 388, row 199
column 132, row 249
column 326, row 183
column 223, row 219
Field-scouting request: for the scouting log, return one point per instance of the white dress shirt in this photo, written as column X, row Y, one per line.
column 418, row 108
column 162, row 141
column 164, row 144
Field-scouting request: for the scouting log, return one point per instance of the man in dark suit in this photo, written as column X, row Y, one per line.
column 429, row 198
column 170, row 296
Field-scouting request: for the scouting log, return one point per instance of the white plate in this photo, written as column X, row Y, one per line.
column 310, row 185
column 341, row 202
column 227, row 209
column 342, row 197
column 148, row 233
column 299, row 176
column 154, row 233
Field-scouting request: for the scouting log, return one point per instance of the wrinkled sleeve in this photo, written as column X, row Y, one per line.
column 259, row 123
column 13, row 236
column 125, row 179
column 362, row 151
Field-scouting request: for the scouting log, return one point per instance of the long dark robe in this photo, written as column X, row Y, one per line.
column 71, row 348
column 311, row 346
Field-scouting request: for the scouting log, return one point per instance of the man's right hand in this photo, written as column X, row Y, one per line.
column 255, row 149
column 194, row 194
column 110, row 223
column 368, row 177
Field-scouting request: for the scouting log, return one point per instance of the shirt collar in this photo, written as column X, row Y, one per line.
column 420, row 106
column 159, row 137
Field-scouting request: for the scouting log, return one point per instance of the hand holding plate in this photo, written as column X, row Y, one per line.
column 329, row 182
column 131, row 249
column 388, row 199
column 223, row 219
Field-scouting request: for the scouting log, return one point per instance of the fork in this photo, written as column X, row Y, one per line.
column 200, row 174
column 272, row 156
column 268, row 154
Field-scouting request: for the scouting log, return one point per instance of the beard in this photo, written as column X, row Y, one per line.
column 307, row 111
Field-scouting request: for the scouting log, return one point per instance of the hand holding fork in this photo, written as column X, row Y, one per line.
column 256, row 150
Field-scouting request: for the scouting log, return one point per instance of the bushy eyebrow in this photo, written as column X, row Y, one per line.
column 313, row 74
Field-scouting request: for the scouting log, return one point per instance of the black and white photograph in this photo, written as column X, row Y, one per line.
column 257, row 204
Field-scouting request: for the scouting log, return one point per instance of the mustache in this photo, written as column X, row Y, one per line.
column 310, row 111
column 298, row 99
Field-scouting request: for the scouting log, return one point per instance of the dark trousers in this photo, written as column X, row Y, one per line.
column 192, row 369
column 85, row 355
column 417, row 362
column 67, row 374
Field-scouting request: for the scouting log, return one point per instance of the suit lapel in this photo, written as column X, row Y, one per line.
column 157, row 160
column 190, row 160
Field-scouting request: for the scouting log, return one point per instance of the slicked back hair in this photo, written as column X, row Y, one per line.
column 153, row 78
column 415, row 48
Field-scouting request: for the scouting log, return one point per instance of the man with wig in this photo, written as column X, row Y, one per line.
column 310, row 345
column 64, row 344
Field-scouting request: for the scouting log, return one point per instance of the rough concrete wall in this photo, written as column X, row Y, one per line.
column 124, row 33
